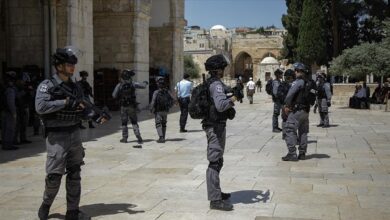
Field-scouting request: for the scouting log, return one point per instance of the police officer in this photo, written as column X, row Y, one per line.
column 221, row 109
column 87, row 90
column 125, row 92
column 289, row 77
column 9, row 114
column 297, row 108
column 162, row 101
column 61, row 116
column 323, row 101
column 277, row 103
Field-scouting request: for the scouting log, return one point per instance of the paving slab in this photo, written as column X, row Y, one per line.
column 346, row 174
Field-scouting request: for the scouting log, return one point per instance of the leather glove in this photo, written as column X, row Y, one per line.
column 329, row 104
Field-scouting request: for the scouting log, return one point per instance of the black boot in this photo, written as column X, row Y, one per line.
column 43, row 212
column 290, row 157
column 225, row 196
column 139, row 139
column 123, row 140
column 161, row 140
column 302, row 156
column 221, row 205
column 76, row 215
column 90, row 124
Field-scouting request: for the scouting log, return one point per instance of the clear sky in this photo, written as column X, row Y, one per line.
column 235, row 13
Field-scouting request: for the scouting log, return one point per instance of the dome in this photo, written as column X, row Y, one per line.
column 269, row 60
column 218, row 27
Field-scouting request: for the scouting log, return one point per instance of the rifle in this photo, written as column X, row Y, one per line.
column 95, row 113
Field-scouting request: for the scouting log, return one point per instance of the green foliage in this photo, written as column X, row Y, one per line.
column 365, row 58
column 291, row 24
column 191, row 67
column 311, row 43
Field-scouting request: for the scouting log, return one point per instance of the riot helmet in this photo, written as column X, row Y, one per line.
column 299, row 67
column 278, row 72
column 83, row 73
column 289, row 73
column 64, row 55
column 216, row 62
column 127, row 74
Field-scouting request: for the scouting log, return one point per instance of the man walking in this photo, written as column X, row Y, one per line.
column 250, row 90
column 183, row 89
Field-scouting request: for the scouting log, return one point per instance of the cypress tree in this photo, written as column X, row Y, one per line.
column 312, row 40
column 291, row 24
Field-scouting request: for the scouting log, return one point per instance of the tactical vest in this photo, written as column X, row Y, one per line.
column 127, row 94
column 321, row 91
column 214, row 115
column 69, row 113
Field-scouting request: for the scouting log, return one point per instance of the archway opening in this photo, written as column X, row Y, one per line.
column 243, row 66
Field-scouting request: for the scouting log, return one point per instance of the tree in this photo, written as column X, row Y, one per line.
column 312, row 42
column 366, row 58
column 190, row 67
column 291, row 24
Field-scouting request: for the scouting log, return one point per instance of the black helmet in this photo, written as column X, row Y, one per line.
column 278, row 72
column 216, row 62
column 127, row 74
column 83, row 73
column 289, row 73
column 299, row 66
column 64, row 55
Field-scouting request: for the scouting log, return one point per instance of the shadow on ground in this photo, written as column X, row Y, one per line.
column 102, row 209
column 38, row 146
column 250, row 196
column 318, row 156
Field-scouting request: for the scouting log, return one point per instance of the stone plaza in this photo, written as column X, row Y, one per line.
column 346, row 174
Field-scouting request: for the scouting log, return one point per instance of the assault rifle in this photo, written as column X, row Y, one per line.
column 95, row 113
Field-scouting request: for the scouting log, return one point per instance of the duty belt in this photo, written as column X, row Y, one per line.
column 62, row 129
column 298, row 107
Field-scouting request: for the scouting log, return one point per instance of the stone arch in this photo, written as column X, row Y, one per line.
column 243, row 65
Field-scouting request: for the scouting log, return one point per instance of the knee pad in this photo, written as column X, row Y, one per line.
column 73, row 172
column 53, row 179
column 133, row 121
column 217, row 165
column 124, row 123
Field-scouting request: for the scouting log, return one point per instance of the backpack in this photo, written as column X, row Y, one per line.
column 310, row 92
column 164, row 101
column 200, row 102
column 127, row 94
column 268, row 87
column 282, row 91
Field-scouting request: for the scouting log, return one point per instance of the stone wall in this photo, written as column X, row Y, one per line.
column 161, row 48
column 2, row 36
column 25, row 33
column 113, row 29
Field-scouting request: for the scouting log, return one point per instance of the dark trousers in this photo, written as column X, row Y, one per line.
column 183, row 103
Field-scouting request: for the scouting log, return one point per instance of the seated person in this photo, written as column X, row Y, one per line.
column 359, row 99
column 376, row 95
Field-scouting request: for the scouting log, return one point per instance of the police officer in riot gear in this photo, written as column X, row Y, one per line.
column 289, row 77
column 87, row 91
column 277, row 103
column 297, row 108
column 125, row 92
column 61, row 115
column 221, row 109
column 323, row 101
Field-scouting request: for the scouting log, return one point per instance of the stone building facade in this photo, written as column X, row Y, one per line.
column 134, row 34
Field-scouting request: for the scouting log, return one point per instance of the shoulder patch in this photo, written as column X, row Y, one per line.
column 219, row 88
column 43, row 88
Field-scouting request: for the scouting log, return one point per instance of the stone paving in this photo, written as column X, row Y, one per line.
column 346, row 174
